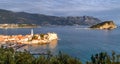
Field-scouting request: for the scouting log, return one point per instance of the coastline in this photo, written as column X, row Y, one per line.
column 13, row 26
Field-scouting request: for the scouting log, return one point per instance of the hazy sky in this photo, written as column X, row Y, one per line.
column 103, row 9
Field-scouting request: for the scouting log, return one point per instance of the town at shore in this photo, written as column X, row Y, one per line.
column 28, row 39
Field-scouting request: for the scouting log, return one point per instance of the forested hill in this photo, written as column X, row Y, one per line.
column 41, row 19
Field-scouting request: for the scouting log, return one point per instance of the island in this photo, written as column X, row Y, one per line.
column 104, row 25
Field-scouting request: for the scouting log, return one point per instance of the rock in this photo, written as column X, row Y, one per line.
column 105, row 25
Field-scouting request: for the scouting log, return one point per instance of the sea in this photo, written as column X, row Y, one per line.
column 77, row 41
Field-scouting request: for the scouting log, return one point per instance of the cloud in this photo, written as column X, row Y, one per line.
column 59, row 5
column 79, row 5
column 99, row 8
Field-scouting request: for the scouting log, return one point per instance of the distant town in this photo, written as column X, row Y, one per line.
column 18, row 26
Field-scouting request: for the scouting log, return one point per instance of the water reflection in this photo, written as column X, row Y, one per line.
column 41, row 48
column 53, row 44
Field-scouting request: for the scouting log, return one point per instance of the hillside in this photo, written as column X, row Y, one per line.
column 40, row 19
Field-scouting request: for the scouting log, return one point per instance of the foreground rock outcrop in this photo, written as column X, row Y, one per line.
column 105, row 25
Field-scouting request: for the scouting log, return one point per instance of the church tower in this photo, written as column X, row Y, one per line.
column 32, row 33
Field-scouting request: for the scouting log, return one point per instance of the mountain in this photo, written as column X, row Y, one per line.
column 11, row 17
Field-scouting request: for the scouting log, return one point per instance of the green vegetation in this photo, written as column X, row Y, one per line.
column 27, row 25
column 42, row 36
column 104, row 58
column 9, row 56
column 34, row 37
column 101, row 24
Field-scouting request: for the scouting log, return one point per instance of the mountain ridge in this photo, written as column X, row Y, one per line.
column 10, row 17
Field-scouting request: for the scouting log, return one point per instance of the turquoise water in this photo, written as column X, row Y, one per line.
column 76, row 40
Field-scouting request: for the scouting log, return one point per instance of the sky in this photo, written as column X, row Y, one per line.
column 102, row 9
